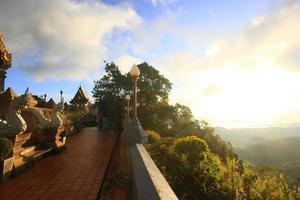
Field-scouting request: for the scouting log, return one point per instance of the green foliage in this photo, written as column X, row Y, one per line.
column 152, row 136
column 218, row 146
column 6, row 147
column 154, row 112
column 71, row 121
column 110, row 91
column 195, row 173
column 153, row 94
column 76, row 120
column 89, row 119
column 190, row 148
column 280, row 153
column 197, row 163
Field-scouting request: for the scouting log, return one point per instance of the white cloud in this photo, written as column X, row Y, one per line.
column 254, row 73
column 61, row 39
column 148, row 36
column 257, row 21
column 268, row 41
column 179, row 65
column 125, row 62
column 162, row 2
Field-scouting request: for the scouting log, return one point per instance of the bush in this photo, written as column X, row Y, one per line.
column 191, row 145
column 5, row 148
column 153, row 136
column 190, row 148
column 89, row 119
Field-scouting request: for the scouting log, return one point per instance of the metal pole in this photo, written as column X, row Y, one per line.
column 135, row 97
column 128, row 100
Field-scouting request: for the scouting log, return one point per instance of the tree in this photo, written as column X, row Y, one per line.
column 197, row 163
column 183, row 122
column 153, row 90
column 194, row 172
column 155, row 113
column 190, row 148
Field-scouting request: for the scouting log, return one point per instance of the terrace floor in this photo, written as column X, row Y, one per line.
column 76, row 173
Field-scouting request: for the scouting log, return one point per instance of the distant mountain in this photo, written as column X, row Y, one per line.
column 275, row 147
column 277, row 153
column 282, row 154
column 240, row 137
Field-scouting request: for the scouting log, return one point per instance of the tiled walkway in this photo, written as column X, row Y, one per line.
column 76, row 173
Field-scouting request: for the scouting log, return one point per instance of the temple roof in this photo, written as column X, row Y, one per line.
column 81, row 97
column 50, row 104
column 9, row 94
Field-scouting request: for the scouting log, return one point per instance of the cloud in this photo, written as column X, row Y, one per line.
column 257, row 21
column 179, row 65
column 162, row 2
column 244, row 77
column 61, row 39
column 148, row 35
column 212, row 90
column 125, row 62
column 269, row 40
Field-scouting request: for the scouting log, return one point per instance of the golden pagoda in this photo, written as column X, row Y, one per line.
column 81, row 99
column 5, row 62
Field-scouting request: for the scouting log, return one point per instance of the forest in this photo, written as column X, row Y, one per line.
column 197, row 163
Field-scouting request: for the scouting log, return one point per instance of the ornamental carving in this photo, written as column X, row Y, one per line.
column 5, row 55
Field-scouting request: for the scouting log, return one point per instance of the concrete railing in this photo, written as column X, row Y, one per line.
column 147, row 181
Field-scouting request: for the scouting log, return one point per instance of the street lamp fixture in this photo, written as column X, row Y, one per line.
column 137, row 133
column 134, row 73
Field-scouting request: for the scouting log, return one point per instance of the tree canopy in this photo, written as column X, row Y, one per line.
column 197, row 163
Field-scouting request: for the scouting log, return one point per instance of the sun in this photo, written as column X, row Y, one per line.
column 253, row 97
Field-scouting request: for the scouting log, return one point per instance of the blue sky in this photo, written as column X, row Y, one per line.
column 213, row 51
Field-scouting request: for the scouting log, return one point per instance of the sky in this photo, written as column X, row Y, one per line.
column 234, row 63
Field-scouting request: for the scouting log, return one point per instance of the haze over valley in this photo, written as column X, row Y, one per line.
column 274, row 147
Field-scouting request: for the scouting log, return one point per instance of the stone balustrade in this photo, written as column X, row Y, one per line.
column 147, row 181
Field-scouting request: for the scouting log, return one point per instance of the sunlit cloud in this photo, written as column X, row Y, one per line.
column 61, row 39
column 245, row 77
column 125, row 62
column 254, row 72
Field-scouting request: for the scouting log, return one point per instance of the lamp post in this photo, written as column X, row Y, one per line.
column 61, row 93
column 126, row 121
column 134, row 73
column 137, row 134
column 127, row 100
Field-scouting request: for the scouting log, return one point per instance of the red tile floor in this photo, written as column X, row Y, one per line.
column 76, row 173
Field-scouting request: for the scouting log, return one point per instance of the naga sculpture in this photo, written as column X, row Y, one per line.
column 15, row 123
column 45, row 125
column 15, row 127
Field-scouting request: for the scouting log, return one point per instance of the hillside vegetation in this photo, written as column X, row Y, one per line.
column 197, row 163
column 282, row 154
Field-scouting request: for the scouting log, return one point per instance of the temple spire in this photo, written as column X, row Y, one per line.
column 5, row 62
column 81, row 98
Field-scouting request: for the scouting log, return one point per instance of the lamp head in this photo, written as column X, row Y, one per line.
column 127, row 97
column 134, row 71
